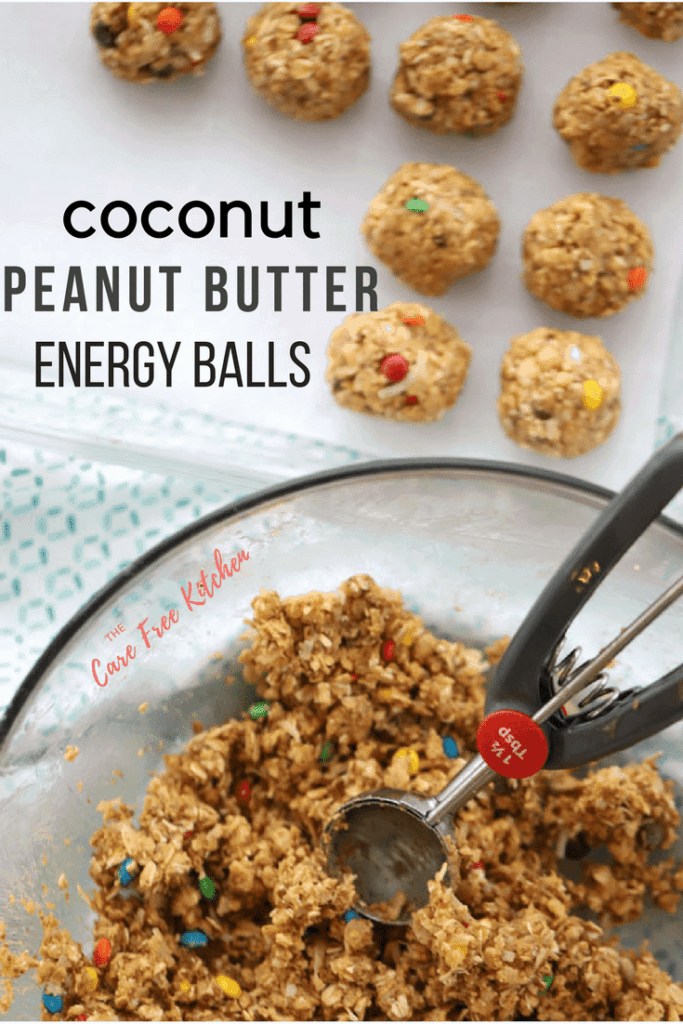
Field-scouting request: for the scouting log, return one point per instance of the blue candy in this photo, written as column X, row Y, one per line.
column 52, row 1004
column 450, row 747
column 125, row 877
column 193, row 939
column 349, row 915
column 643, row 145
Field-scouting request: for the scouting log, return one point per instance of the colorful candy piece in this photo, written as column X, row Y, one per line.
column 229, row 986
column 417, row 205
column 411, row 399
column 81, row 1016
column 243, row 792
column 192, row 939
column 307, row 32
column 125, row 874
column 207, row 888
column 394, row 366
column 326, row 752
column 169, row 20
column 102, row 952
column 308, row 10
column 92, row 974
column 462, row 17
column 259, row 709
column 450, row 747
column 53, row 1004
column 547, row 980
column 502, row 97
column 623, row 92
column 642, row 145
column 413, row 321
column 185, row 986
column 388, row 649
column 413, row 759
column 593, row 394
column 637, row 277
column 349, row 915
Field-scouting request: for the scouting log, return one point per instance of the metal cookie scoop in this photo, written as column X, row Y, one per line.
column 395, row 842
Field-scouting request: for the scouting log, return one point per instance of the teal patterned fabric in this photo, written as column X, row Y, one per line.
column 69, row 524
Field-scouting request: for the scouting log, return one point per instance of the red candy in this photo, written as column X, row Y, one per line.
column 637, row 277
column 309, row 10
column 81, row 1016
column 169, row 20
column 354, row 676
column 243, row 791
column 102, row 952
column 307, row 32
column 187, row 835
column 411, row 399
column 462, row 17
column 502, row 97
column 413, row 321
column 388, row 649
column 394, row 366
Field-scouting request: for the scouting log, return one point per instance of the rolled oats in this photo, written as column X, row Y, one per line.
column 603, row 134
column 133, row 47
column 308, row 81
column 656, row 21
column 458, row 76
column 276, row 931
column 580, row 228
column 437, row 357
column 430, row 251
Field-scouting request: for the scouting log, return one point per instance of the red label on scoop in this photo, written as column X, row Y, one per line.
column 512, row 744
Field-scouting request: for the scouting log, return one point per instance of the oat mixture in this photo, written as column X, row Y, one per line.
column 657, row 21
column 608, row 134
column 132, row 45
column 309, row 61
column 275, row 929
column 402, row 363
column 580, row 255
column 458, row 74
column 542, row 403
column 431, row 248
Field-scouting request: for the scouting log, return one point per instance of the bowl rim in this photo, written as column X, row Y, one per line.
column 251, row 502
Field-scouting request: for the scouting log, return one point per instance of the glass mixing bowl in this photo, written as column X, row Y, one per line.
column 470, row 544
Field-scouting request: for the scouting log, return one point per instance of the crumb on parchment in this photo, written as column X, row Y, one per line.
column 478, row 951
column 71, row 753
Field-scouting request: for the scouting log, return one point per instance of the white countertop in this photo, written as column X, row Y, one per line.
column 73, row 131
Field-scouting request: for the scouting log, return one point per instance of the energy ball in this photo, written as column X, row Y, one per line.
column 308, row 61
column 560, row 392
column 147, row 42
column 656, row 21
column 402, row 363
column 431, row 225
column 587, row 255
column 619, row 114
column 458, row 73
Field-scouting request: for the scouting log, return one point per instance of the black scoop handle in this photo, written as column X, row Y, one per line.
column 517, row 680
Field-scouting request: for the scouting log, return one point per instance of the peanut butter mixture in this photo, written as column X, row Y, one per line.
column 356, row 670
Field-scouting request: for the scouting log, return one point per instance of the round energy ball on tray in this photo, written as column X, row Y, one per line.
column 152, row 42
column 458, row 73
column 656, row 21
column 308, row 61
column 431, row 225
column 587, row 255
column 560, row 392
column 401, row 363
column 619, row 114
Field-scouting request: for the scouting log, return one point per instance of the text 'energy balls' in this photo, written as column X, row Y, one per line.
column 377, row 361
column 429, row 250
column 135, row 47
column 542, row 390
column 656, row 21
column 458, row 75
column 578, row 254
column 308, row 64
column 619, row 114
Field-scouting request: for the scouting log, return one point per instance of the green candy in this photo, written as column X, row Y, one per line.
column 326, row 752
column 417, row 205
column 259, row 710
column 207, row 888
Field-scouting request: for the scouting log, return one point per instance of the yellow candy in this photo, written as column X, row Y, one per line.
column 413, row 759
column 130, row 11
column 408, row 639
column 626, row 94
column 185, row 986
column 593, row 394
column 229, row 985
column 92, row 974
column 250, row 41
column 461, row 951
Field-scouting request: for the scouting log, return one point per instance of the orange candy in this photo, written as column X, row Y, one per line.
column 102, row 952
column 169, row 20
column 413, row 321
column 637, row 277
